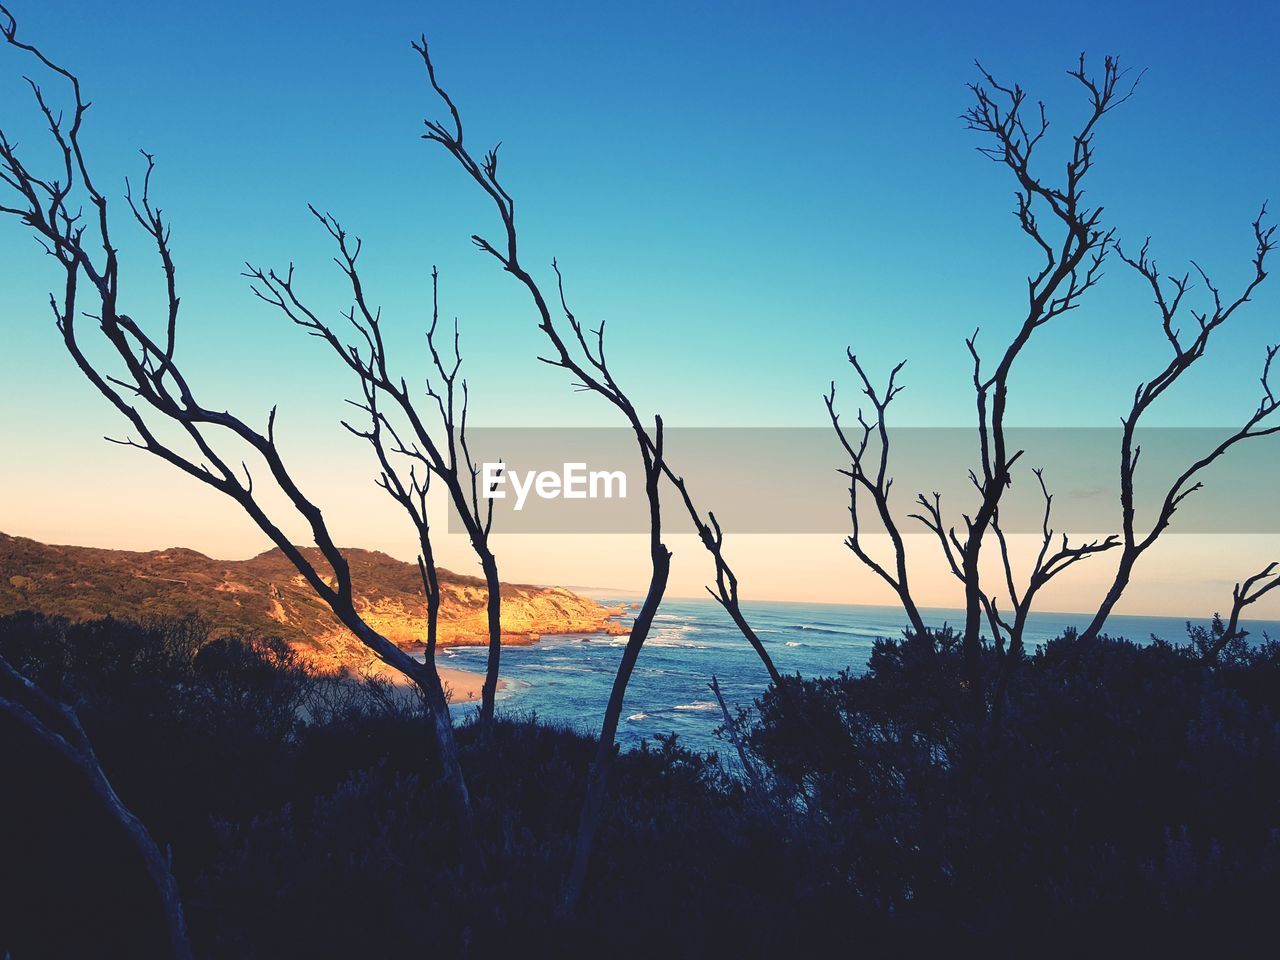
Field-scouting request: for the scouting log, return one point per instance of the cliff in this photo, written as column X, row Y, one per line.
column 266, row 596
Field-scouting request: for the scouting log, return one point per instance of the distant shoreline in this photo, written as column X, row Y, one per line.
column 463, row 686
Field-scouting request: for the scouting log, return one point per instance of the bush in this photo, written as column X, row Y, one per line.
column 1127, row 792
column 1125, row 788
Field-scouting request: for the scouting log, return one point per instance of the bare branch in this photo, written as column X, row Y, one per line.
column 1169, row 297
column 874, row 480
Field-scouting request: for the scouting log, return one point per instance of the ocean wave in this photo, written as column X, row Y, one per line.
column 796, row 643
column 697, row 705
column 637, row 717
column 511, row 686
column 828, row 630
column 679, row 629
column 674, row 636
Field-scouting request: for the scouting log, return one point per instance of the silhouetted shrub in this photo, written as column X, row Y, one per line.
column 1126, row 792
column 1124, row 788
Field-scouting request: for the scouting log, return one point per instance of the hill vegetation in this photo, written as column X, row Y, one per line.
column 265, row 595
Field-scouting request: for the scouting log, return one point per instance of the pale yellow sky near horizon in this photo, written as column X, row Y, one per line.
column 127, row 500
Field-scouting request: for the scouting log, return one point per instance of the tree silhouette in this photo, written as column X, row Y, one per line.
column 149, row 389
column 55, row 726
column 582, row 353
column 1072, row 259
column 446, row 455
column 1168, row 296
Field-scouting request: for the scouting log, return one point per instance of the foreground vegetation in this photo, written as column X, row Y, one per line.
column 1123, row 791
column 924, row 801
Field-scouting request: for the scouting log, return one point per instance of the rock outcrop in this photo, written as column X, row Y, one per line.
column 265, row 596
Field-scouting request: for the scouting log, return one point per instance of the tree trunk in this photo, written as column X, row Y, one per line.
column 451, row 766
column 156, row 862
column 736, row 613
column 56, row 726
column 598, row 778
column 427, row 678
column 1118, row 586
column 971, row 648
column 489, row 691
column 1010, row 660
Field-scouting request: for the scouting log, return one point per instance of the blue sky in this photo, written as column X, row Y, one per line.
column 741, row 189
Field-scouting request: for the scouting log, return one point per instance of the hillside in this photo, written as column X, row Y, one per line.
column 266, row 596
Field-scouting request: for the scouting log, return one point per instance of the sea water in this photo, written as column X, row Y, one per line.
column 566, row 680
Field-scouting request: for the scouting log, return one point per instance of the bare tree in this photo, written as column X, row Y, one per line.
column 150, row 390
column 57, row 729
column 582, row 353
column 1169, row 296
column 868, row 474
column 726, row 585
column 445, row 455
column 1072, row 263
column 1243, row 594
column 1072, row 256
column 1007, row 631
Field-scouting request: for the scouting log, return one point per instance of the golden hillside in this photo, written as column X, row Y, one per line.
column 266, row 596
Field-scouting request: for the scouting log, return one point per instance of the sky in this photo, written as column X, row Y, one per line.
column 742, row 190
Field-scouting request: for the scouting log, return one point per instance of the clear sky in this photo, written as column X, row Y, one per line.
column 741, row 189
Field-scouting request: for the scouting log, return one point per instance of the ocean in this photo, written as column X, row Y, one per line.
column 566, row 679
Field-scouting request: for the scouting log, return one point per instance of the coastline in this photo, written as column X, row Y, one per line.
column 463, row 686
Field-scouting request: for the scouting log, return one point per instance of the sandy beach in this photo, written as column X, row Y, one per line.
column 463, row 686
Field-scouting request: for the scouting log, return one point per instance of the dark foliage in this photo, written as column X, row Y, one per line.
column 1128, row 797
